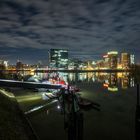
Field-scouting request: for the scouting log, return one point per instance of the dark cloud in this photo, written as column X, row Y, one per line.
column 93, row 26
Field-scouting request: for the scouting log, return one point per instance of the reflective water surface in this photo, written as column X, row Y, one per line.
column 112, row 116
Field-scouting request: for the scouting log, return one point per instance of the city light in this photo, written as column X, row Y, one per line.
column 58, row 107
column 59, row 60
column 112, row 52
column 113, row 89
column 105, row 85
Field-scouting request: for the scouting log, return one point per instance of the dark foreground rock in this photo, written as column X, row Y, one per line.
column 13, row 124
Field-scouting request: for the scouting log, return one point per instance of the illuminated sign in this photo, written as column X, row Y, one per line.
column 112, row 88
column 113, row 52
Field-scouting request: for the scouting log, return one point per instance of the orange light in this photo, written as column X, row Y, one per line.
column 105, row 85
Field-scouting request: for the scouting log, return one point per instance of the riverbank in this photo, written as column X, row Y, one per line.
column 13, row 125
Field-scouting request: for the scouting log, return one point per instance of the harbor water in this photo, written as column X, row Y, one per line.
column 113, row 117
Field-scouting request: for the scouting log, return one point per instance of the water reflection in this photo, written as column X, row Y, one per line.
column 72, row 106
column 111, row 81
column 73, row 117
column 115, row 120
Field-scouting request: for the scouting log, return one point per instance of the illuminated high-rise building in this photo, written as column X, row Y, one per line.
column 106, row 61
column 112, row 59
column 100, row 64
column 58, row 58
column 132, row 59
column 125, row 60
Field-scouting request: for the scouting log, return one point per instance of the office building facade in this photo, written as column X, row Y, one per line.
column 113, row 59
column 58, row 58
column 125, row 60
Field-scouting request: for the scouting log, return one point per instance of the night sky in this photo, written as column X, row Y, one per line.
column 87, row 28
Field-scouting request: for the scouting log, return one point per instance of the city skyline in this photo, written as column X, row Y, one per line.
column 88, row 29
column 53, row 57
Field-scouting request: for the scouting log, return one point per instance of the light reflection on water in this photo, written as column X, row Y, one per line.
column 111, row 81
column 115, row 92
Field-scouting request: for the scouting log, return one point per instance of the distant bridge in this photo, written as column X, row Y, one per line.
column 82, row 71
column 68, row 71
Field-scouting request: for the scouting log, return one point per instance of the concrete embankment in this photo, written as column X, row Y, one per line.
column 13, row 123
